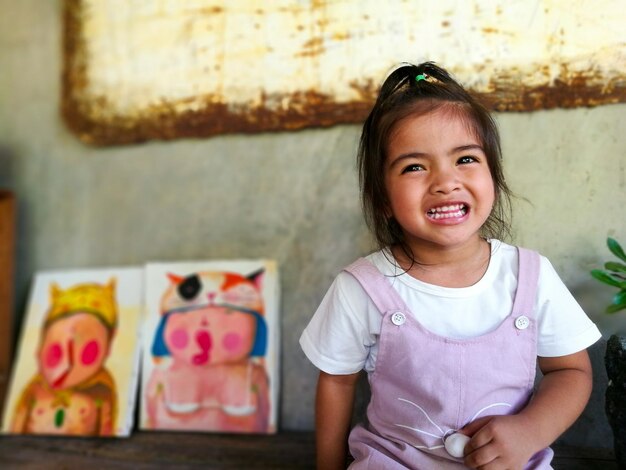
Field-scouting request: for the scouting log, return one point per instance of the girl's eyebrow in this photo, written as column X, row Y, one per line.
column 464, row 148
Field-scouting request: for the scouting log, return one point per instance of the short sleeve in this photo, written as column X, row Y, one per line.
column 564, row 328
column 337, row 339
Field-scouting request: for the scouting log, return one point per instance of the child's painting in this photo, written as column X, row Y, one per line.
column 210, row 350
column 76, row 371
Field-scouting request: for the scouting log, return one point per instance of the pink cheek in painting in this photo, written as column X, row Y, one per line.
column 90, row 353
column 232, row 342
column 53, row 355
column 179, row 338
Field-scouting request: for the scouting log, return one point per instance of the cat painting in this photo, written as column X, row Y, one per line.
column 208, row 355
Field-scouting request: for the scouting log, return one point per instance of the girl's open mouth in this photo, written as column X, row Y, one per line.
column 452, row 211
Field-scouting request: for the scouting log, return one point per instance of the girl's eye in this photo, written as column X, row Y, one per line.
column 466, row 159
column 411, row 168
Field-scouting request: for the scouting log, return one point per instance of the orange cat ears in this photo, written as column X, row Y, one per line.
column 230, row 278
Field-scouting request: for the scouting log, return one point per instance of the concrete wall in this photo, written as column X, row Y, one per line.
column 288, row 196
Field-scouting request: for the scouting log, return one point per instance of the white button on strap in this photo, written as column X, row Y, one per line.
column 522, row 322
column 398, row 318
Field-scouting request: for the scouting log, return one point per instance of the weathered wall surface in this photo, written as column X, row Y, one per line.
column 167, row 69
column 288, row 196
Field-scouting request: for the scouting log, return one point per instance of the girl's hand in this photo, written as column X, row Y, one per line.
column 498, row 443
column 508, row 442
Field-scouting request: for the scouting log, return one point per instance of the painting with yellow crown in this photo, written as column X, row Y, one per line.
column 77, row 364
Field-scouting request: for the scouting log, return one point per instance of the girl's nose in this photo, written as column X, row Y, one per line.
column 444, row 181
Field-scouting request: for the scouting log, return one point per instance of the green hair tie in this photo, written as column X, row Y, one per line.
column 421, row 76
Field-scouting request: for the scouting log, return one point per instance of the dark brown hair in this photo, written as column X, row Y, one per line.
column 403, row 94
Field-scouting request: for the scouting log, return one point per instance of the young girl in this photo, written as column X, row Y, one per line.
column 448, row 321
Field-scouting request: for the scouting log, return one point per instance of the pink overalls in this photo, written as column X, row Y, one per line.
column 425, row 386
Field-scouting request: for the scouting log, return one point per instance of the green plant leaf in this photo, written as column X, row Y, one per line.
column 605, row 278
column 615, row 248
column 615, row 266
column 614, row 274
column 620, row 298
column 615, row 308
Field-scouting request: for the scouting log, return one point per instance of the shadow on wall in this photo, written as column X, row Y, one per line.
column 20, row 276
column 593, row 298
column 6, row 168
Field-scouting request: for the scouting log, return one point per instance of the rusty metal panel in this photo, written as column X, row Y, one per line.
column 136, row 70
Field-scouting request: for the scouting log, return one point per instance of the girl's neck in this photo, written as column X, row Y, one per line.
column 455, row 267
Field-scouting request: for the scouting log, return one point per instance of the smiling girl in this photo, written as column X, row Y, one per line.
column 449, row 322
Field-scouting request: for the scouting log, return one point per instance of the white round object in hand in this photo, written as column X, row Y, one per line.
column 455, row 443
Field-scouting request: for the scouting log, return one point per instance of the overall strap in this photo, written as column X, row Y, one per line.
column 527, row 280
column 377, row 286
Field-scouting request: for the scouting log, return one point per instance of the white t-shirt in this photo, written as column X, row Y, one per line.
column 342, row 336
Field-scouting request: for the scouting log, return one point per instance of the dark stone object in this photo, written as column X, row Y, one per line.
column 615, row 361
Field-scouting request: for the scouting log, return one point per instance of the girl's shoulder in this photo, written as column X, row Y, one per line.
column 509, row 254
column 507, row 257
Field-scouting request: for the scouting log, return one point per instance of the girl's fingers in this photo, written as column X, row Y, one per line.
column 471, row 428
column 480, row 450
column 481, row 456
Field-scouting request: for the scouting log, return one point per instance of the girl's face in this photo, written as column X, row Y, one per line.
column 438, row 182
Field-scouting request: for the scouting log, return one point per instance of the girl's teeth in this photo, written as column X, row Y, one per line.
column 447, row 212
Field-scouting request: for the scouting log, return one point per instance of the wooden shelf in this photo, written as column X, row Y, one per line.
column 147, row 450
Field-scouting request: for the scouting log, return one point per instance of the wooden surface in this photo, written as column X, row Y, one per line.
column 7, row 243
column 152, row 450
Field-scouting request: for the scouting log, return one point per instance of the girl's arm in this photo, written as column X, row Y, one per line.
column 333, row 414
column 499, row 442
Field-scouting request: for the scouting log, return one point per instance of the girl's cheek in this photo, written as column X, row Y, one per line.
column 53, row 355
column 90, row 353
column 179, row 338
